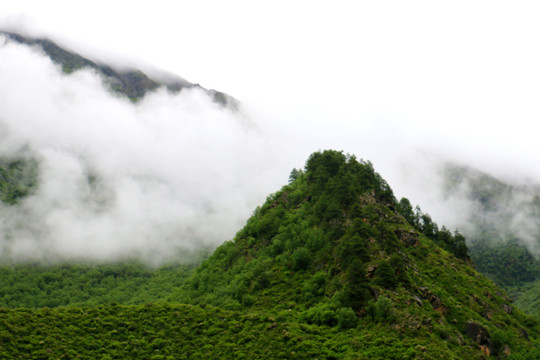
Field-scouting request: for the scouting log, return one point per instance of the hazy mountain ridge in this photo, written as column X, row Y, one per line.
column 503, row 229
column 132, row 83
column 73, row 147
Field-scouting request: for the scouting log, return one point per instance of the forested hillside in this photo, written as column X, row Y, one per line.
column 503, row 230
column 330, row 266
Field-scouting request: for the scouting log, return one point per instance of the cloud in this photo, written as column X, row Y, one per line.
column 176, row 171
column 154, row 179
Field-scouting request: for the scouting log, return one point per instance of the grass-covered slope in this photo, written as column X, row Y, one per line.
column 150, row 332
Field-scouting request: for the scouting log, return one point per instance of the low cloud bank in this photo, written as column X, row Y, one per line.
column 177, row 172
column 155, row 179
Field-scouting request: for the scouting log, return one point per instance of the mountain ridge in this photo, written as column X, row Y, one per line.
column 502, row 231
column 132, row 83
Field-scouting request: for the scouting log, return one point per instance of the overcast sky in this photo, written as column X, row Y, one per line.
column 464, row 73
column 380, row 79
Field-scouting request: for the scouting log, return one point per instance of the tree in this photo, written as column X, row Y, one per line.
column 301, row 258
column 406, row 210
column 295, row 174
column 357, row 291
column 385, row 275
column 459, row 248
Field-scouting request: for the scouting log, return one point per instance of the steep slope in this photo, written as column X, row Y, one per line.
column 334, row 248
column 132, row 83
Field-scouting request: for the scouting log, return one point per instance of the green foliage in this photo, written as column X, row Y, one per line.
column 423, row 223
column 505, row 220
column 18, row 178
column 295, row 174
column 345, row 178
column 321, row 314
column 357, row 290
column 382, row 309
column 346, row 318
column 406, row 210
column 33, row 285
column 301, row 258
column 353, row 246
column 326, row 209
column 528, row 298
column 315, row 286
column 519, row 265
column 385, row 275
column 398, row 264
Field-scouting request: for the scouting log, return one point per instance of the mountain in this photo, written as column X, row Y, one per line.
column 334, row 242
column 86, row 118
column 132, row 83
column 503, row 231
column 331, row 266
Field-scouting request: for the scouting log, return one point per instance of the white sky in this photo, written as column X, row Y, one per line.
column 460, row 77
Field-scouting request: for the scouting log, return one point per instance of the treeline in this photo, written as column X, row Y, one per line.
column 454, row 243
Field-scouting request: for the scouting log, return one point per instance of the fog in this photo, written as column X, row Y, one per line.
column 173, row 173
column 153, row 179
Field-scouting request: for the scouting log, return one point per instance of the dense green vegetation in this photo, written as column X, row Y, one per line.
column 508, row 263
column 175, row 331
column 332, row 243
column 18, row 177
column 130, row 283
column 528, row 297
column 331, row 266
column 454, row 243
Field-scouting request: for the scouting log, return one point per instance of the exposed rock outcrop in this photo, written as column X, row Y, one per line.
column 480, row 335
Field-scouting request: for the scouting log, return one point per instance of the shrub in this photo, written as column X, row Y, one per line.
column 315, row 286
column 346, row 318
column 383, row 309
column 320, row 314
column 301, row 258
column 385, row 276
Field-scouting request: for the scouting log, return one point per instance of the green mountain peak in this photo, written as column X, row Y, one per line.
column 334, row 248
